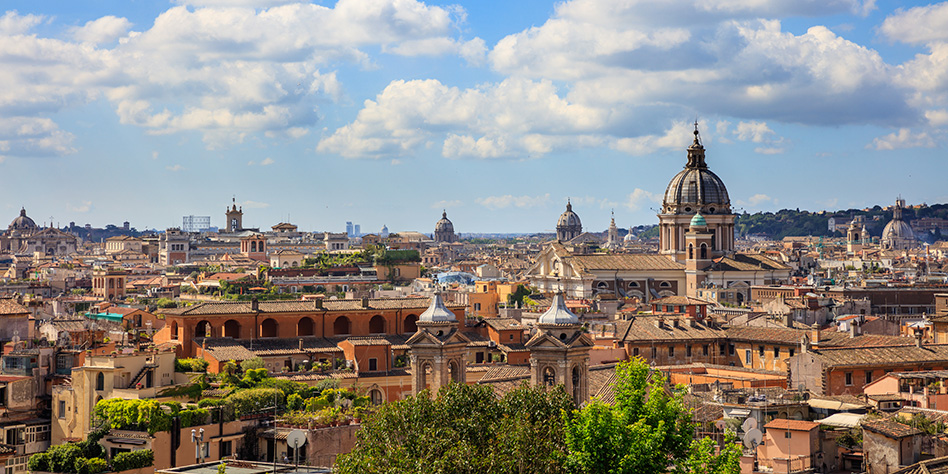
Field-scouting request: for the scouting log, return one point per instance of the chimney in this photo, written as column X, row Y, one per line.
column 318, row 302
column 301, row 344
column 852, row 328
column 254, row 304
column 789, row 319
column 918, row 336
column 365, row 302
column 815, row 336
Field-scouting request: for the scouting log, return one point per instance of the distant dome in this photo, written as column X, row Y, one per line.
column 558, row 313
column 897, row 234
column 630, row 236
column 437, row 312
column 444, row 224
column 22, row 222
column 696, row 188
column 568, row 226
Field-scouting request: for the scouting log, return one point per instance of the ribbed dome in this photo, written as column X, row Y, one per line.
column 698, row 221
column 897, row 229
column 569, row 219
column 558, row 312
column 696, row 188
column 437, row 312
column 22, row 222
column 444, row 224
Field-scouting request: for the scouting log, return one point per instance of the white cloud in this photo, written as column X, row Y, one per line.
column 84, row 207
column 254, row 205
column 12, row 23
column 267, row 162
column 679, row 136
column 33, row 137
column 103, row 30
column 904, row 138
column 769, row 150
column 640, row 197
column 154, row 155
column 757, row 132
column 445, row 204
column 174, row 168
column 937, row 118
column 757, row 199
column 918, row 25
column 520, row 202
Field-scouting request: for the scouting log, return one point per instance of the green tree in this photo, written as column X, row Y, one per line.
column 255, row 363
column 647, row 430
column 465, row 429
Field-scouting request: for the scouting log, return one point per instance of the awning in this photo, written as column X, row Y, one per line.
column 137, row 442
column 737, row 413
column 842, row 420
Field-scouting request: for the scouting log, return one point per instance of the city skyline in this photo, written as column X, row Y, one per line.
column 385, row 113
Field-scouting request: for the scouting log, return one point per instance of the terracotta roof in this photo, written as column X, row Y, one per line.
column 8, row 307
column 644, row 328
column 890, row 429
column 681, row 300
column 792, row 425
column 624, row 262
column 931, row 466
column 870, row 356
column 500, row 324
column 746, row 262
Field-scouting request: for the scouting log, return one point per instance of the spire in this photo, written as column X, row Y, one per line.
column 696, row 152
column 569, row 205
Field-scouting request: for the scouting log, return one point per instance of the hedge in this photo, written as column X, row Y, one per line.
column 133, row 460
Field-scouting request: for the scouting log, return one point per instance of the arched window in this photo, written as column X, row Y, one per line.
column 100, row 381
column 376, row 396
column 174, row 330
column 691, row 251
column 664, row 284
column 305, row 327
column 231, row 329
column 268, row 328
column 409, row 326
column 342, row 326
column 204, row 329
column 549, row 376
column 704, row 251
column 377, row 324
column 454, row 371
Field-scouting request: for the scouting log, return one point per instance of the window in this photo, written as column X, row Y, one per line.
column 477, row 306
column 776, row 352
column 868, row 376
column 100, row 381
column 226, row 449
column 849, row 378
column 747, row 356
column 705, row 349
column 654, row 352
column 731, row 349
column 723, row 348
column 671, row 351
column 511, row 337
column 786, row 434
column 688, row 351
column 791, row 352
column 760, row 349
column 373, row 364
column 62, row 408
column 635, row 351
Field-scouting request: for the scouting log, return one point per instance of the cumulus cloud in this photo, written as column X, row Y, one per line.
column 12, row 23
column 904, row 138
column 174, row 168
column 103, row 30
column 918, row 25
column 521, row 202
column 267, row 162
column 640, row 197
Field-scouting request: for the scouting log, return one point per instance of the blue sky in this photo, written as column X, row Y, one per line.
column 386, row 111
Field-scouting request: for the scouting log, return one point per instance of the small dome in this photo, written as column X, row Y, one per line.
column 444, row 224
column 698, row 221
column 558, row 312
column 22, row 222
column 437, row 312
column 629, row 237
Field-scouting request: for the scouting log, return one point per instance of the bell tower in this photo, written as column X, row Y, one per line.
column 234, row 217
column 438, row 349
column 559, row 351
column 698, row 242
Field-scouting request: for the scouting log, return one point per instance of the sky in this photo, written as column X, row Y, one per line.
column 386, row 112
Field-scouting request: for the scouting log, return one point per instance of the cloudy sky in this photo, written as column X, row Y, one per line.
column 388, row 111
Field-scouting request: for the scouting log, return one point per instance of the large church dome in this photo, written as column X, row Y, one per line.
column 22, row 222
column 897, row 234
column 696, row 188
column 568, row 226
column 444, row 224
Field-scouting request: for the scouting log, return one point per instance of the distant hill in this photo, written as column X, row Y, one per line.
column 797, row 223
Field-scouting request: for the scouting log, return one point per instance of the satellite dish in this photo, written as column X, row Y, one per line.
column 749, row 424
column 753, row 438
column 295, row 439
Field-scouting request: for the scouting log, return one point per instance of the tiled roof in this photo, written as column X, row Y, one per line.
column 244, row 307
column 500, row 324
column 624, row 262
column 8, row 307
column 765, row 334
column 503, row 373
column 746, row 262
column 931, row 466
column 896, row 355
column 890, row 429
column 681, row 300
column 645, row 329
column 792, row 425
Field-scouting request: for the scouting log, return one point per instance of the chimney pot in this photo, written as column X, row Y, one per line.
column 254, row 304
column 365, row 302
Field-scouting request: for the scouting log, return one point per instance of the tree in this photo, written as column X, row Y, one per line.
column 255, row 363
column 466, row 428
column 648, row 430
